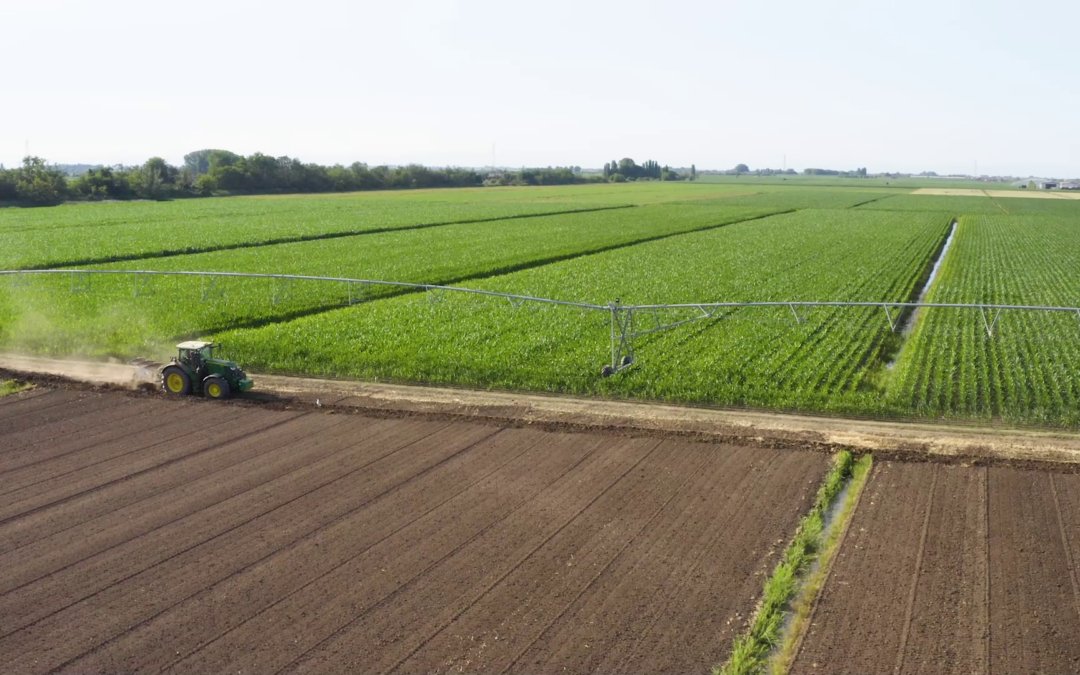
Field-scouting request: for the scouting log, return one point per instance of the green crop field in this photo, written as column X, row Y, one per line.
column 1030, row 370
column 641, row 243
column 753, row 357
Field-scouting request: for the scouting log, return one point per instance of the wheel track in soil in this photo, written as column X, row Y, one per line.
column 176, row 560
column 743, row 495
column 567, row 522
column 916, row 575
column 4, row 597
column 80, row 659
column 361, row 541
column 108, row 470
column 125, row 495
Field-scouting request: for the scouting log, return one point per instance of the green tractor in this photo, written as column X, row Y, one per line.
column 196, row 370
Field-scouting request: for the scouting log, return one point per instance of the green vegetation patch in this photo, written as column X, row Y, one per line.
column 751, row 650
column 118, row 316
column 755, row 356
column 1027, row 373
column 11, row 387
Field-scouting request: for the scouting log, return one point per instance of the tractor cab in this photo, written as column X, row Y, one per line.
column 195, row 370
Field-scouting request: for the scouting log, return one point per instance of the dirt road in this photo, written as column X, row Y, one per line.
column 916, row 440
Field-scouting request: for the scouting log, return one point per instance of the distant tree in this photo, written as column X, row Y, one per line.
column 741, row 168
column 617, row 178
column 626, row 167
column 38, row 184
column 220, row 158
column 7, row 185
column 607, row 170
column 199, row 161
column 693, row 172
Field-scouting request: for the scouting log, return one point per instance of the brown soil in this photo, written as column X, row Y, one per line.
column 947, row 569
column 141, row 534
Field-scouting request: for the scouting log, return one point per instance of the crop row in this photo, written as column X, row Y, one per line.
column 1029, row 371
column 755, row 357
column 47, row 316
column 62, row 236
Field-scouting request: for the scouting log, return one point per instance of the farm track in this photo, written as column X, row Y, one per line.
column 972, row 571
column 158, row 535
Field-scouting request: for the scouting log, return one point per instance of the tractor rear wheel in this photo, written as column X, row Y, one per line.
column 175, row 381
column 216, row 386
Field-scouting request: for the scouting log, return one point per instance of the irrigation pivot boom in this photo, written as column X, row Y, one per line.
column 628, row 322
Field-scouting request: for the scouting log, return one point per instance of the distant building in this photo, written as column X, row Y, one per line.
column 1070, row 186
column 1048, row 185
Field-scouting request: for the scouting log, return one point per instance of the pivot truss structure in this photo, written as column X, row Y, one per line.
column 628, row 322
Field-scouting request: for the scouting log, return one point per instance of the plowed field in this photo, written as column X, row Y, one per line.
column 139, row 534
column 951, row 569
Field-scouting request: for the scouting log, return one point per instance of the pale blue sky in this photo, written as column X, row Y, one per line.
column 904, row 86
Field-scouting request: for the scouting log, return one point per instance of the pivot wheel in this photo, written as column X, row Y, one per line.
column 216, row 386
column 175, row 381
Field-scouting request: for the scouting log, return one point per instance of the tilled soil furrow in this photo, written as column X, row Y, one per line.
column 947, row 633
column 138, row 439
column 1033, row 620
column 244, row 596
column 488, row 635
column 44, row 410
column 315, row 496
column 12, row 399
column 916, row 571
column 726, row 577
column 853, row 630
column 73, row 434
column 126, row 509
column 1067, row 489
column 581, row 543
column 296, row 476
column 393, row 568
column 149, row 455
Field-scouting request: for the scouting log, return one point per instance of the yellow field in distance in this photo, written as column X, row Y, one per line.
column 1026, row 194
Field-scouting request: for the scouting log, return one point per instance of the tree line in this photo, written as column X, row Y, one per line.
column 626, row 169
column 209, row 172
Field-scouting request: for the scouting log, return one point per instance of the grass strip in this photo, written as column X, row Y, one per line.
column 750, row 650
column 11, row 387
column 803, row 605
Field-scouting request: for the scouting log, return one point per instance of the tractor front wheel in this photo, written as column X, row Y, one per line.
column 216, row 386
column 175, row 381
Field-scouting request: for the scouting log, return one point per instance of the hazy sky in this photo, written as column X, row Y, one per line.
column 901, row 86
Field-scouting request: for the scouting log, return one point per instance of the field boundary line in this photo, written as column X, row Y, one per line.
column 523, row 558
column 1065, row 543
column 751, row 649
column 996, row 202
column 913, row 593
column 815, row 586
column 172, row 253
